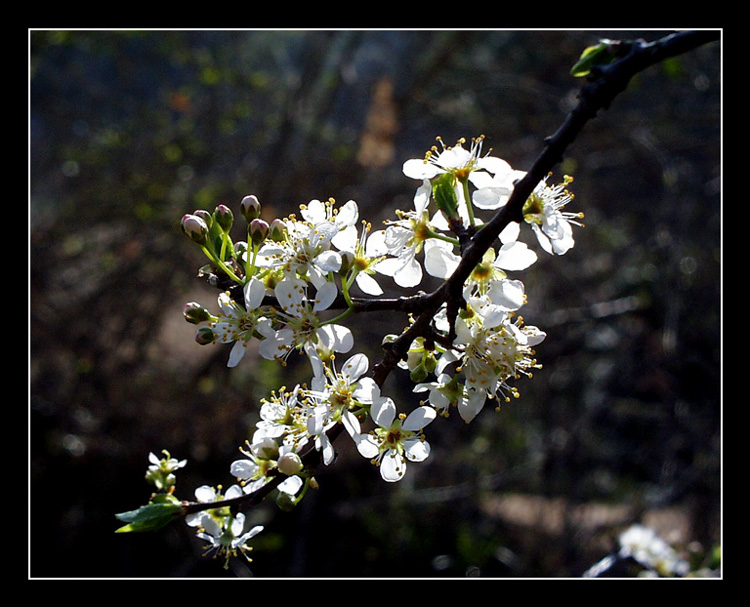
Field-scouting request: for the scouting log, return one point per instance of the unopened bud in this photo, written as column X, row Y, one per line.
column 205, row 216
column 347, row 262
column 250, row 207
column 285, row 502
column 258, row 230
column 240, row 248
column 204, row 336
column 224, row 217
column 277, row 230
column 444, row 192
column 265, row 449
column 194, row 228
column 419, row 373
column 290, row 464
column 195, row 313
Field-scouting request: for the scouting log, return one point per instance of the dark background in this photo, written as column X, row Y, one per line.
column 130, row 130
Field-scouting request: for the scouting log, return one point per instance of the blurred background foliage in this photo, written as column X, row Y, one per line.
column 129, row 130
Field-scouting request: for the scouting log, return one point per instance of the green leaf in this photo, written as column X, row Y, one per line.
column 600, row 54
column 149, row 517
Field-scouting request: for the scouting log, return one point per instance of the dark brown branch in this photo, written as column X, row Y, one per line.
column 602, row 86
column 605, row 83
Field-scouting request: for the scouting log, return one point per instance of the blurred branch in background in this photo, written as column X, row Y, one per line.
column 130, row 130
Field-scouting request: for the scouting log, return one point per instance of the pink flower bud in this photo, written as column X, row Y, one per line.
column 194, row 228
column 224, row 217
column 195, row 313
column 277, row 230
column 204, row 336
column 258, row 230
column 250, row 207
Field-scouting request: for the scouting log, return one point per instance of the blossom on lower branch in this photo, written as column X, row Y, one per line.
column 224, row 531
column 396, row 438
column 491, row 348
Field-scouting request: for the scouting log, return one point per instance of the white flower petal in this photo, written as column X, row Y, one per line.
column 291, row 485
column 314, row 212
column 490, row 198
column 514, row 256
column 416, row 450
column 336, row 337
column 508, row 294
column 254, row 291
column 497, row 166
column 351, row 423
column 419, row 418
column 471, row 404
column 328, row 261
column 422, row 197
column 417, row 168
column 366, row 445
column 346, row 239
column 325, row 296
column 368, row 284
column 367, row 391
column 236, row 353
column 205, row 494
column 355, row 367
column 348, row 214
column 511, row 232
column 243, row 468
column 410, row 274
column 392, row 467
column 375, row 246
column 383, row 412
column 440, row 261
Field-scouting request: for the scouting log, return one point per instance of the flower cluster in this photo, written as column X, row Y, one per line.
column 223, row 530
column 287, row 287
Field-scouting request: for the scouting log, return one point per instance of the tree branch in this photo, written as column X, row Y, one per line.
column 604, row 83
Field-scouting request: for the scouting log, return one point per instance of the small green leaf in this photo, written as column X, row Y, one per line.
column 149, row 517
column 599, row 54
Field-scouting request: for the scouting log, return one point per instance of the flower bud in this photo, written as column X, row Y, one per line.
column 250, row 207
column 290, row 464
column 194, row 228
column 419, row 373
column 205, row 216
column 285, row 502
column 277, row 230
column 258, row 230
column 195, row 313
column 240, row 249
column 224, row 217
column 265, row 449
column 204, row 336
column 347, row 262
column 444, row 192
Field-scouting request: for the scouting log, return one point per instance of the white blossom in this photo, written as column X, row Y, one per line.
column 303, row 329
column 403, row 239
column 305, row 251
column 552, row 226
column 396, row 439
column 240, row 324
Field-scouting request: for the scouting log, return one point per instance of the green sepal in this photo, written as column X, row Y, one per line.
column 164, row 510
column 444, row 193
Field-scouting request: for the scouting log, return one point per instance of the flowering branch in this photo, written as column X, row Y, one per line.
column 289, row 287
column 604, row 83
